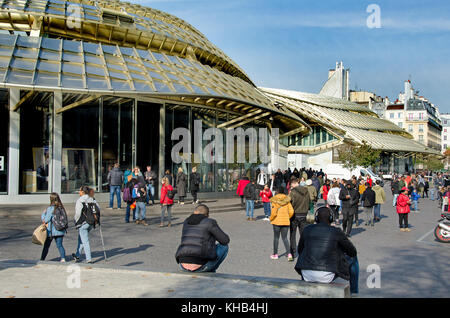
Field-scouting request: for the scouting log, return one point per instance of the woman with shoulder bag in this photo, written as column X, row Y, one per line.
column 52, row 232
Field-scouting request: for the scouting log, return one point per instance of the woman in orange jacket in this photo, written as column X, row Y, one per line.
column 282, row 211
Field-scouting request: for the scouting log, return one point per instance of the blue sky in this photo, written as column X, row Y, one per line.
column 292, row 44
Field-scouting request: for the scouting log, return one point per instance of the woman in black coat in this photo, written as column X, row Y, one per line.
column 194, row 184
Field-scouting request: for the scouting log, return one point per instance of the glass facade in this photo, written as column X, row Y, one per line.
column 318, row 136
column 4, row 140
column 35, row 141
column 80, row 147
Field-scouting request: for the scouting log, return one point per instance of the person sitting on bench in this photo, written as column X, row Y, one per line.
column 325, row 253
column 198, row 251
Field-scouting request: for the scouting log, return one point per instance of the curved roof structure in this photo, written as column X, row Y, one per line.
column 116, row 48
column 115, row 22
column 347, row 121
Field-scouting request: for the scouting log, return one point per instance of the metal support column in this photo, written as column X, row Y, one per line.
column 14, row 143
column 57, row 143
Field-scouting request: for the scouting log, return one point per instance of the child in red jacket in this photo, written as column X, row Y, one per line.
column 265, row 195
column 403, row 202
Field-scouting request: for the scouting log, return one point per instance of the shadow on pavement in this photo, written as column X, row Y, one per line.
column 16, row 263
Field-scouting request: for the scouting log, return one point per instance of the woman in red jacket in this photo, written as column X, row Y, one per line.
column 165, row 201
column 240, row 189
column 403, row 210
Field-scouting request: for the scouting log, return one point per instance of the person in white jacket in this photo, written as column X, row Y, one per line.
column 334, row 202
column 82, row 226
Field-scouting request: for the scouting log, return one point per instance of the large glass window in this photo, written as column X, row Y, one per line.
column 4, row 140
column 80, row 145
column 35, row 134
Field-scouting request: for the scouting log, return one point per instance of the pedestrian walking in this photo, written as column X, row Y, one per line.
column 369, row 199
column 325, row 188
column 282, row 212
column 415, row 199
column 250, row 198
column 265, row 195
column 349, row 197
column 128, row 198
column 140, row 197
column 83, row 203
column 194, row 184
column 395, row 190
column 166, row 201
column 240, row 189
column 151, row 181
column 312, row 195
column 334, row 202
column 403, row 203
column 300, row 202
column 380, row 198
column 181, row 185
column 115, row 181
column 52, row 217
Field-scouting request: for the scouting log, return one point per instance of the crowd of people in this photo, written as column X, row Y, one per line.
column 289, row 199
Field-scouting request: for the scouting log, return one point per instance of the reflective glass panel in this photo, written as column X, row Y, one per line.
column 19, row 77
column 70, row 81
column 46, row 79
column 72, row 68
column 48, row 66
column 96, row 83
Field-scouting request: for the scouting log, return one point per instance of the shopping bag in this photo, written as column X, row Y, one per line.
column 39, row 235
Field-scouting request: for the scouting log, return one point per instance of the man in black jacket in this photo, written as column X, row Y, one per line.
column 395, row 190
column 198, row 251
column 349, row 199
column 300, row 202
column 325, row 253
column 250, row 198
column 368, row 199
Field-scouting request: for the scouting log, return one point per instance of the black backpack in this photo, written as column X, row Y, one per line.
column 59, row 219
column 171, row 194
column 247, row 192
column 91, row 214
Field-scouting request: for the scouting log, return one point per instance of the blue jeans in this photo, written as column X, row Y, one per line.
column 150, row 194
column 394, row 201
column 128, row 212
column 169, row 213
column 114, row 190
column 48, row 241
column 140, row 207
column 432, row 194
column 415, row 204
column 377, row 211
column 250, row 206
column 212, row 266
column 354, row 274
column 267, row 209
column 83, row 241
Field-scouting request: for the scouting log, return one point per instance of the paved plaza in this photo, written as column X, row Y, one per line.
column 412, row 264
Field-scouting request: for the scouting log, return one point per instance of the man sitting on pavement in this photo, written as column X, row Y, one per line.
column 198, row 251
column 325, row 253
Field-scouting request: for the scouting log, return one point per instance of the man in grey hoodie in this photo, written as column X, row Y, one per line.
column 82, row 226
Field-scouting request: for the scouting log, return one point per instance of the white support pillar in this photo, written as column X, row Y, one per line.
column 57, row 143
column 14, row 143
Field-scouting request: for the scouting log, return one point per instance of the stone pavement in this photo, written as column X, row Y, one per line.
column 412, row 264
column 73, row 281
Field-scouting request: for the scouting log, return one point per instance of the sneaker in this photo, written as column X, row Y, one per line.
column 266, row 219
column 161, row 225
column 290, row 258
column 63, row 260
column 109, row 208
column 77, row 259
column 169, row 225
column 253, row 219
column 274, row 256
column 402, row 229
column 407, row 229
column 248, row 219
column 90, row 262
column 138, row 221
column 144, row 223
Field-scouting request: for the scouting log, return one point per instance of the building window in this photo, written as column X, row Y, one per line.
column 445, row 137
column 391, row 115
column 4, row 140
column 410, row 116
column 399, row 115
column 420, row 116
column 421, row 128
column 445, row 130
column 445, row 146
column 400, row 124
column 35, row 139
column 420, row 137
column 410, row 128
column 80, row 133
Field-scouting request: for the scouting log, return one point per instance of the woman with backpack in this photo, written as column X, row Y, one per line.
column 82, row 225
column 51, row 218
column 167, row 194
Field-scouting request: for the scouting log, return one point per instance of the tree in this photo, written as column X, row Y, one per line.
column 363, row 155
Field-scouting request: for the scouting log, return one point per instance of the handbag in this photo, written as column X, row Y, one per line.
column 310, row 218
column 39, row 235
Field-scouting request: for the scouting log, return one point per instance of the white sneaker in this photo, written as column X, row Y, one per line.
column 266, row 219
column 62, row 260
